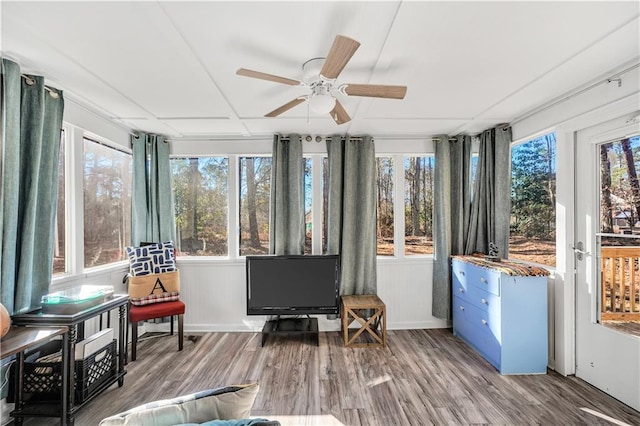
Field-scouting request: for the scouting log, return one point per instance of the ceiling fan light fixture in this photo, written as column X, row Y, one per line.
column 322, row 103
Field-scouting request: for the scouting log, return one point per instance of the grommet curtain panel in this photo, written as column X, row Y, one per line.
column 451, row 213
column 491, row 206
column 351, row 221
column 286, row 229
column 464, row 221
column 152, row 214
column 31, row 128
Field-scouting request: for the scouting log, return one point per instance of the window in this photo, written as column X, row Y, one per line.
column 254, row 186
column 620, row 190
column 533, row 201
column 308, row 212
column 59, row 258
column 107, row 203
column 418, row 205
column 325, row 202
column 201, row 194
column 384, row 166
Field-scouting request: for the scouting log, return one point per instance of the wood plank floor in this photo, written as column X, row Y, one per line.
column 422, row 377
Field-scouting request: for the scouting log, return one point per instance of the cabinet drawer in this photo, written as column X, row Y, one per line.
column 488, row 322
column 479, row 297
column 481, row 278
column 476, row 334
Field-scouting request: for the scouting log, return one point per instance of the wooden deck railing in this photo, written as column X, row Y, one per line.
column 620, row 280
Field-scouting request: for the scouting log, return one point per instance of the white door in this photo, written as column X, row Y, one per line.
column 606, row 358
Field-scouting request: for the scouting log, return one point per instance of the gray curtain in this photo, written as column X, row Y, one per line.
column 490, row 210
column 31, row 126
column 151, row 200
column 351, row 222
column 452, row 192
column 286, row 230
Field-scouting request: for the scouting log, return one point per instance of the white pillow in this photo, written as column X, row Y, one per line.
column 156, row 258
column 231, row 402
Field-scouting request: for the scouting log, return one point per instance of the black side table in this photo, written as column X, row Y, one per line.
column 20, row 339
column 75, row 323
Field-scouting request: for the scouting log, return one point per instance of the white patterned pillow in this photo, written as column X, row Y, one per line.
column 154, row 258
column 231, row 402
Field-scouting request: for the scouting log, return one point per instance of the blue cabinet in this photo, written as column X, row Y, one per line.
column 501, row 315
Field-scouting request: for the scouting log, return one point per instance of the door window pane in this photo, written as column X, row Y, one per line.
column 107, row 204
column 384, row 185
column 201, row 193
column 254, row 186
column 620, row 190
column 418, row 205
column 533, row 201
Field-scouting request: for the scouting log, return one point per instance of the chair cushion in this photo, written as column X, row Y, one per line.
column 231, row 402
column 155, row 310
column 155, row 258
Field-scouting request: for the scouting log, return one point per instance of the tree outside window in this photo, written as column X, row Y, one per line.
column 107, row 204
column 384, row 195
column 418, row 205
column 254, row 187
column 533, row 201
column 59, row 237
column 620, row 188
column 201, row 193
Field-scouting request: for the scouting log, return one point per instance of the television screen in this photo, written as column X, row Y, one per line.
column 292, row 285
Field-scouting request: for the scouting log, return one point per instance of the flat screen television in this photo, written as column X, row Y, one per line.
column 293, row 285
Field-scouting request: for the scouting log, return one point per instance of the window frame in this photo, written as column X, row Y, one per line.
column 229, row 181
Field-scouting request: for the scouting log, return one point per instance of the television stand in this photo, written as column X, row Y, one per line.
column 291, row 326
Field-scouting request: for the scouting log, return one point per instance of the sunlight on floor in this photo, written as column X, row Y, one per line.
column 605, row 417
column 378, row 380
column 311, row 420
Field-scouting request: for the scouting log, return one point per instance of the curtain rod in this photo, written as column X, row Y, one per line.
column 30, row 81
column 615, row 77
column 136, row 135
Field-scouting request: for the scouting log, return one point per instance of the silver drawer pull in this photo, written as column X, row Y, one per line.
column 483, row 280
column 484, row 322
column 483, row 301
column 462, row 273
column 461, row 308
column 461, row 290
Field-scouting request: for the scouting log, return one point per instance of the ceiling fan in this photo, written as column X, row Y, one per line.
column 320, row 77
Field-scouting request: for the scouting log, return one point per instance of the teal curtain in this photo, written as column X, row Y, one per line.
column 152, row 211
column 490, row 211
column 31, row 127
column 286, row 230
column 351, row 221
column 452, row 205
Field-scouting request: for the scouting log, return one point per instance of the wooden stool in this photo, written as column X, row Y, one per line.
column 352, row 309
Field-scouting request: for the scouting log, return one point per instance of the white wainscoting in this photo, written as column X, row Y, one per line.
column 215, row 295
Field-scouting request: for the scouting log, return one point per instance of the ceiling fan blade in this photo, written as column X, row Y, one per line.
column 264, row 76
column 286, row 107
column 339, row 114
column 374, row 90
column 341, row 51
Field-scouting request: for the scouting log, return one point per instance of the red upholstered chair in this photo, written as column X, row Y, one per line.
column 156, row 310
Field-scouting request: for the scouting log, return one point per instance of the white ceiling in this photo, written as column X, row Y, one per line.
column 169, row 67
